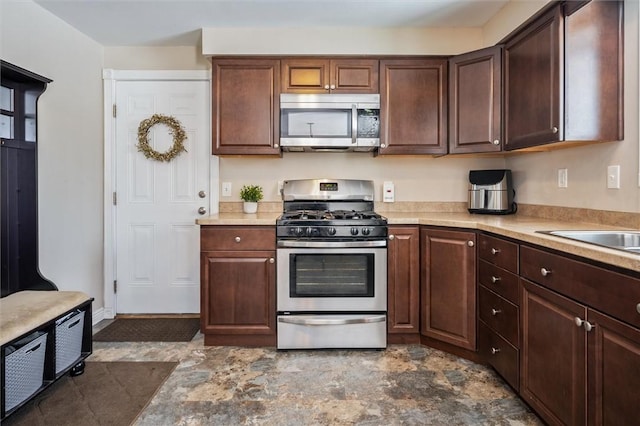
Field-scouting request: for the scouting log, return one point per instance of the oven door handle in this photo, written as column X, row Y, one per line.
column 326, row 321
column 331, row 244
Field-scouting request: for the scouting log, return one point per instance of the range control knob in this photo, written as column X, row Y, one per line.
column 331, row 231
column 297, row 231
column 354, row 231
column 366, row 231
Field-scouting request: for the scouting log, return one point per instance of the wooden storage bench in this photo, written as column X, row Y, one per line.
column 33, row 313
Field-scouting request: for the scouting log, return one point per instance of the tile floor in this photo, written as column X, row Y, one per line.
column 402, row 385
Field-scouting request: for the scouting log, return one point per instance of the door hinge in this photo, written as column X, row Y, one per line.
column 115, row 286
column 114, row 110
column 115, row 199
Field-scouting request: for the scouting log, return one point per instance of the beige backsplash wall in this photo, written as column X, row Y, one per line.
column 415, row 178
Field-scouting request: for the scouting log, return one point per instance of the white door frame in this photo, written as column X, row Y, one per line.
column 110, row 77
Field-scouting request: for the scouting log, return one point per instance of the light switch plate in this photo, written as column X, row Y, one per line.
column 226, row 189
column 563, row 178
column 613, row 177
column 388, row 192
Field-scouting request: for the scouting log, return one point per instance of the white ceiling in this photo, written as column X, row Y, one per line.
column 178, row 22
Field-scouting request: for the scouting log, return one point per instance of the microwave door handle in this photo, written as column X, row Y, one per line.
column 354, row 123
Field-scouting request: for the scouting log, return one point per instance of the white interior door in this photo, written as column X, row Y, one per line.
column 157, row 240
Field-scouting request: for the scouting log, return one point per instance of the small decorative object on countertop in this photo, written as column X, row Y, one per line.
column 251, row 194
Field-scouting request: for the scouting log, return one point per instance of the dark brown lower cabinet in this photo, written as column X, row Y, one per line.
column 448, row 286
column 613, row 371
column 403, row 284
column 238, row 298
column 553, row 356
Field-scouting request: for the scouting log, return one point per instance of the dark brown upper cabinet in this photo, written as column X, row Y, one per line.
column 321, row 75
column 563, row 77
column 475, row 101
column 413, row 106
column 246, row 106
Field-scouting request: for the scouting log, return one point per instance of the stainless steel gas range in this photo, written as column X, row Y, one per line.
column 332, row 266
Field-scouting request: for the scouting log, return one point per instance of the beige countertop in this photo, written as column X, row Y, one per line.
column 514, row 226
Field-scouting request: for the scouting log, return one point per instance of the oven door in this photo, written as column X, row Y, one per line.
column 329, row 277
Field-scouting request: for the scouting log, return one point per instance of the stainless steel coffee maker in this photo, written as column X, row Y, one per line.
column 491, row 192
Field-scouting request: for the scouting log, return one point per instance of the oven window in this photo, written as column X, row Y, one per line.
column 331, row 275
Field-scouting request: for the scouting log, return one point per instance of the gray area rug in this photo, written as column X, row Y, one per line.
column 108, row 393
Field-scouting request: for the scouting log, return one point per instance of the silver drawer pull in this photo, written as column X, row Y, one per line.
column 495, row 279
column 495, row 312
column 495, row 251
column 545, row 272
column 494, row 351
column 237, row 239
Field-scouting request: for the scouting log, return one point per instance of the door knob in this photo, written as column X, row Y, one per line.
column 202, row 194
column 202, row 210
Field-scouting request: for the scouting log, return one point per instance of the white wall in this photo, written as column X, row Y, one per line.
column 70, row 171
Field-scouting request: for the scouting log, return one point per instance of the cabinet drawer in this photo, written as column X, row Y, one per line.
column 498, row 280
column 237, row 238
column 499, row 252
column 499, row 314
column 500, row 354
column 611, row 292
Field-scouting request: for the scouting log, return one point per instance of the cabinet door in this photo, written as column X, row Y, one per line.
column 238, row 293
column 532, row 83
column 553, row 356
column 413, row 106
column 614, row 370
column 475, row 101
column 305, row 75
column 448, row 292
column 403, row 284
column 354, row 76
column 246, row 106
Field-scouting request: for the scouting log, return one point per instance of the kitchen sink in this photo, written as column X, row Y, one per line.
column 628, row 241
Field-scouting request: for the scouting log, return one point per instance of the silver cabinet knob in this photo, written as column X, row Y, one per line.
column 326, row 87
column 333, row 86
column 638, row 308
column 584, row 323
column 202, row 194
column 494, row 351
column 271, row 260
column 275, row 145
column 237, row 239
column 202, row 210
column 495, row 251
column 495, row 279
column 554, row 129
column 545, row 272
column 393, row 237
column 496, row 142
column 495, row 312
column 470, row 243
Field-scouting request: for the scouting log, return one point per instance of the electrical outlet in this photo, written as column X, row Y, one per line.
column 226, row 189
column 563, row 178
column 613, row 177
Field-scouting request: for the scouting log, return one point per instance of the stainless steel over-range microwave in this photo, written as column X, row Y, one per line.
column 329, row 122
